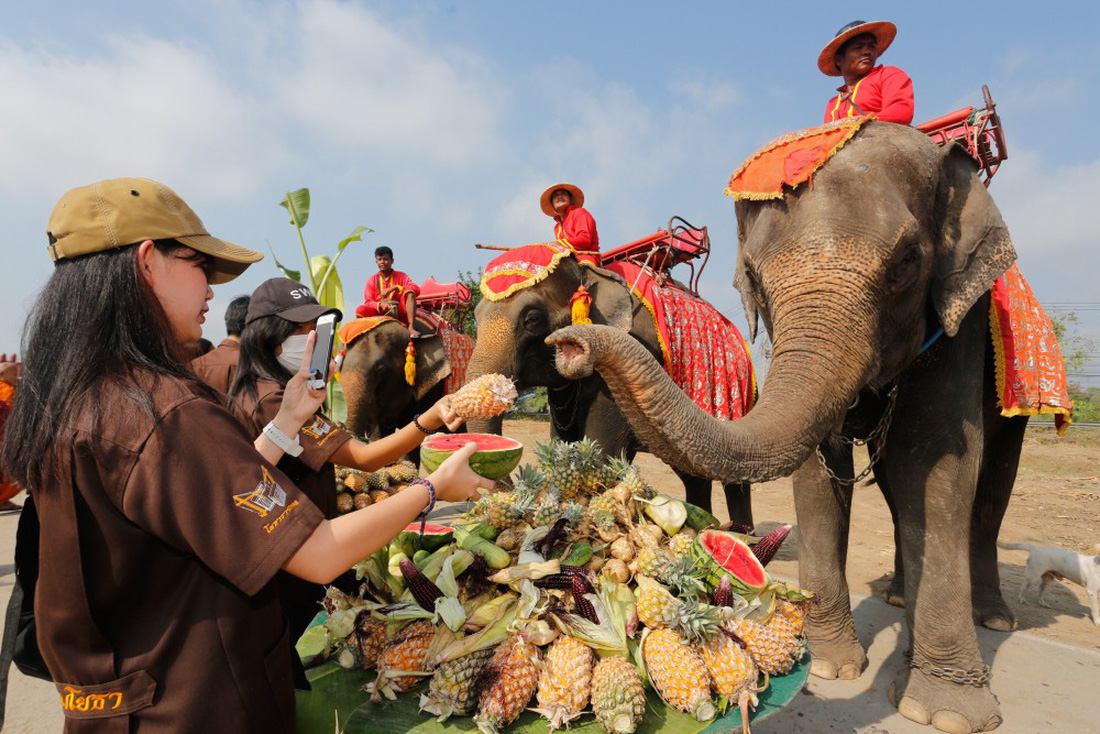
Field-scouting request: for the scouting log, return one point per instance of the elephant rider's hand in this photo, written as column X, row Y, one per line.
column 387, row 306
column 442, row 414
column 300, row 401
column 10, row 368
column 455, row 481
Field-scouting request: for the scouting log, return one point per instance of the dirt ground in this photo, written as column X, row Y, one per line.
column 1056, row 502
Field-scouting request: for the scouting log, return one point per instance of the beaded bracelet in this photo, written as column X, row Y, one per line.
column 422, row 429
column 431, row 502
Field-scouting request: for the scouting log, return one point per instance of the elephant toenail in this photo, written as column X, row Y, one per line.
column 849, row 671
column 914, row 710
column 951, row 722
column 823, row 669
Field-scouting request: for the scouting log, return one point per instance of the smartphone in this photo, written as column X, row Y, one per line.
column 322, row 351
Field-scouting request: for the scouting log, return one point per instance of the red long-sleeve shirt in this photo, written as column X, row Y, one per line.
column 377, row 283
column 887, row 91
column 577, row 229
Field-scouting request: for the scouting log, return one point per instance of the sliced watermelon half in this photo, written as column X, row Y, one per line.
column 435, row 537
column 495, row 458
column 723, row 554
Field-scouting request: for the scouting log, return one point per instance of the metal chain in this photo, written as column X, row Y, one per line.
column 878, row 435
column 572, row 398
column 977, row 677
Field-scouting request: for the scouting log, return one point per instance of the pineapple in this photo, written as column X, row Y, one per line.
column 588, row 462
column 794, row 613
column 344, row 502
column 407, row 652
column 503, row 509
column 359, row 501
column 602, row 518
column 507, row 684
column 732, row 673
column 377, row 495
column 403, row 472
column 678, row 673
column 369, row 637
column 548, row 509
column 485, row 397
column 772, row 646
column 559, row 460
column 356, row 482
column 378, row 481
column 566, row 681
column 629, row 475
column 652, row 561
column 618, row 697
column 656, row 605
column 530, row 480
column 680, row 545
column 573, row 514
column 682, row 576
column 452, row 690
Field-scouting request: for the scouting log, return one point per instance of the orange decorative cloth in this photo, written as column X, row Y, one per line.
column 459, row 348
column 1031, row 376
column 354, row 329
column 791, row 159
column 521, row 268
column 8, row 489
column 704, row 353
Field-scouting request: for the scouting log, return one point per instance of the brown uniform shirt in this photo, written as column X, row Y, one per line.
column 217, row 367
column 312, row 471
column 159, row 542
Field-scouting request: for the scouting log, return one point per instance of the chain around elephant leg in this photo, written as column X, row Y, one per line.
column 954, row 701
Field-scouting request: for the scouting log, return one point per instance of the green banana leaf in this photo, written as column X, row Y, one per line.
column 296, row 204
column 332, row 294
column 292, row 274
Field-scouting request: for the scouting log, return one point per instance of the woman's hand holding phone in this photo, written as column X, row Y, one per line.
column 300, row 401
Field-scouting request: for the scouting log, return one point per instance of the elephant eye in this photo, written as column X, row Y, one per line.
column 534, row 320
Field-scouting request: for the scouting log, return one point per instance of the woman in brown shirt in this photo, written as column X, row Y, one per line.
column 163, row 522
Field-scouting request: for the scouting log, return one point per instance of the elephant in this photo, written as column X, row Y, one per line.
column 852, row 276
column 511, row 336
column 379, row 399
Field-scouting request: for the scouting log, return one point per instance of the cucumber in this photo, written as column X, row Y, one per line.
column 420, row 558
column 699, row 519
column 495, row 556
column 579, row 554
column 484, row 530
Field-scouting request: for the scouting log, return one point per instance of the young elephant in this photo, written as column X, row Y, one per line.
column 895, row 238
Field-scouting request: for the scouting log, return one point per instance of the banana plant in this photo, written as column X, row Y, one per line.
column 323, row 279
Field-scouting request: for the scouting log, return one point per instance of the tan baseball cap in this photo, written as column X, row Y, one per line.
column 126, row 211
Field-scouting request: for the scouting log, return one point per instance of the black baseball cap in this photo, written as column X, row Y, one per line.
column 286, row 299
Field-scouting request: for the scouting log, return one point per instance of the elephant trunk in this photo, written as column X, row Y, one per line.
column 814, row 376
column 495, row 351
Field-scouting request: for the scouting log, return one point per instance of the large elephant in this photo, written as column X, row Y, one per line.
column 373, row 378
column 511, row 340
column 852, row 275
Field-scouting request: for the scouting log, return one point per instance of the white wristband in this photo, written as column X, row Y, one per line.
column 277, row 437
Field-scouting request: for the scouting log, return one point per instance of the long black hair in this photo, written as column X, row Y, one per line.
column 259, row 340
column 96, row 322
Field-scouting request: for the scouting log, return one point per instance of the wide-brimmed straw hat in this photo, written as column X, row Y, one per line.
column 544, row 200
column 883, row 31
column 125, row 211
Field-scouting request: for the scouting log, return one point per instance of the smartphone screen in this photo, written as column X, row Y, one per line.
column 322, row 350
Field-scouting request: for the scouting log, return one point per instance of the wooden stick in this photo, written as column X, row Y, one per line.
column 494, row 247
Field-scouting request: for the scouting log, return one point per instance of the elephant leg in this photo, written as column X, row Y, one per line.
column 894, row 593
column 739, row 502
column 823, row 508
column 696, row 489
column 1004, row 441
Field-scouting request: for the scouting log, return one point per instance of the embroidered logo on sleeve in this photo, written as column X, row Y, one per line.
column 264, row 498
column 319, row 430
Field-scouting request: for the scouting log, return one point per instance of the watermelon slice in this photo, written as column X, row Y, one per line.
column 725, row 555
column 495, row 458
column 435, row 537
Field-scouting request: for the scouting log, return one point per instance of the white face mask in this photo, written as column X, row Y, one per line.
column 294, row 348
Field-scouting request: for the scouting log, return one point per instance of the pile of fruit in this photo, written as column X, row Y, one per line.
column 357, row 489
column 571, row 590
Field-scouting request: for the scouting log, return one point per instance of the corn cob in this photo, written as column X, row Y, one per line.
column 766, row 549
column 723, row 593
column 423, row 589
column 583, row 605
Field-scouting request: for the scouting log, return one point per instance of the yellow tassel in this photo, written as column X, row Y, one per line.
column 580, row 304
column 410, row 364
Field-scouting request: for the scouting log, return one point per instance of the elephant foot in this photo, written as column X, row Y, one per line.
column 837, row 659
column 950, row 707
column 894, row 593
column 992, row 612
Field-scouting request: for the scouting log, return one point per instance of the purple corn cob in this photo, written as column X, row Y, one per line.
column 563, row 580
column 723, row 593
column 766, row 548
column 583, row 606
column 545, row 546
column 423, row 589
column 742, row 529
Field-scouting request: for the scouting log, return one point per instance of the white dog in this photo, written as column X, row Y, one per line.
column 1046, row 563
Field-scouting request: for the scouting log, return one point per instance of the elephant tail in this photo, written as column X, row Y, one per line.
column 1015, row 546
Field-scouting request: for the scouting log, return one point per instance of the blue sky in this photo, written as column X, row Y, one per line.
column 437, row 124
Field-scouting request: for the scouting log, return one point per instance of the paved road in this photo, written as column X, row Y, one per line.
column 1043, row 685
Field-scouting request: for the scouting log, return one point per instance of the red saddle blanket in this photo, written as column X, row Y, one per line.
column 704, row 353
column 1031, row 376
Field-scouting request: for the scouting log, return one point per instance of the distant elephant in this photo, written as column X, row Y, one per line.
column 852, row 274
column 511, row 340
column 373, row 378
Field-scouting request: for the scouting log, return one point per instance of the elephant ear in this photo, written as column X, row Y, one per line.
column 973, row 247
column 611, row 301
column 432, row 365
